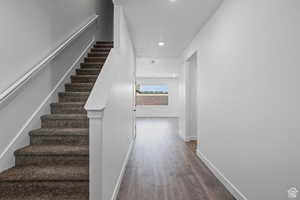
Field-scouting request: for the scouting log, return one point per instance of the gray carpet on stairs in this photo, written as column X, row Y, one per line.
column 55, row 166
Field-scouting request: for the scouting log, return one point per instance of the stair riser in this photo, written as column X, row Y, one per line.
column 59, row 140
column 70, row 88
column 51, row 160
column 8, row 188
column 63, row 109
column 95, row 59
column 76, row 79
column 76, row 123
column 105, row 42
column 99, row 54
column 68, row 98
column 103, row 46
column 87, row 72
column 100, row 50
column 90, row 66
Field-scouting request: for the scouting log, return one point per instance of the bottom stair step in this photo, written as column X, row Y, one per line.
column 40, row 195
column 54, row 180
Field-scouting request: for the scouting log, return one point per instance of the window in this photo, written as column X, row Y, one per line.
column 152, row 95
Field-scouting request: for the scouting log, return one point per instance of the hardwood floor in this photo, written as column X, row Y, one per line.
column 163, row 167
column 192, row 145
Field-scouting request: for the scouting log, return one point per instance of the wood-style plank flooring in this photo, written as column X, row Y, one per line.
column 163, row 167
column 192, row 145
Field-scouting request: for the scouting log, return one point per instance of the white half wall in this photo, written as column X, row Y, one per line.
column 248, row 69
column 118, row 119
column 159, row 72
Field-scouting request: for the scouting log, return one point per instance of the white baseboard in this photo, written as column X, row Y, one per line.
column 155, row 116
column 119, row 181
column 22, row 138
column 230, row 187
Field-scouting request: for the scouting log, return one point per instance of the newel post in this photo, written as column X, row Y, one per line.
column 96, row 150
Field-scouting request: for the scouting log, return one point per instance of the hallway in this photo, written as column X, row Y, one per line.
column 163, row 167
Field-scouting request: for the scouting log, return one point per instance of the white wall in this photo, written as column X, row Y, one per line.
column 162, row 71
column 32, row 29
column 105, row 10
column 248, row 61
column 162, row 67
column 191, row 98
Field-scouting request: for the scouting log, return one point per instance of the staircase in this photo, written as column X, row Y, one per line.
column 55, row 166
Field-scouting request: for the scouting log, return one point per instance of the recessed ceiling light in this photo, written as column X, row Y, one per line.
column 161, row 44
column 172, row 1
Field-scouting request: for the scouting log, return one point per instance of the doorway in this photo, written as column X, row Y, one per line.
column 191, row 101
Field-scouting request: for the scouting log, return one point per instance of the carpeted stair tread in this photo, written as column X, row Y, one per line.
column 51, row 150
column 65, row 121
column 93, row 77
column 73, row 96
column 93, row 50
column 60, row 136
column 47, row 196
column 98, row 54
column 74, row 93
column 68, row 108
column 45, row 173
column 92, row 64
column 60, row 132
column 69, row 103
column 88, row 71
column 64, row 116
column 107, row 48
column 80, row 84
column 84, row 76
column 79, row 87
column 95, row 59
column 103, row 46
column 105, row 42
